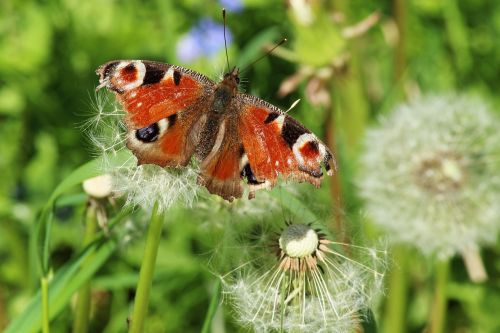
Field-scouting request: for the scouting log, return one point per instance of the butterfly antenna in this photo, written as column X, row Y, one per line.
column 283, row 41
column 225, row 42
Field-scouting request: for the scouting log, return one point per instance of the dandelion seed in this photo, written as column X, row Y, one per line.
column 311, row 287
column 431, row 175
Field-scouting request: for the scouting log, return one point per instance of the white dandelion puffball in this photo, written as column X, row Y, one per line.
column 309, row 287
column 431, row 175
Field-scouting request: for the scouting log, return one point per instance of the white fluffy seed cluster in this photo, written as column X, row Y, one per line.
column 431, row 175
column 327, row 294
column 335, row 307
column 141, row 185
column 145, row 185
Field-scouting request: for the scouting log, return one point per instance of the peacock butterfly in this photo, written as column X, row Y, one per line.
column 174, row 113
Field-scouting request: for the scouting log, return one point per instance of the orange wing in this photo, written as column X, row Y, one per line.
column 276, row 144
column 165, row 107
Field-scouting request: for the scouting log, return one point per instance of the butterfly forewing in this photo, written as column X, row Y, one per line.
column 164, row 107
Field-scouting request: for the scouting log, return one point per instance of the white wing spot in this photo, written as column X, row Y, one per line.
column 303, row 140
column 163, row 125
column 279, row 121
column 141, row 72
column 243, row 161
column 169, row 74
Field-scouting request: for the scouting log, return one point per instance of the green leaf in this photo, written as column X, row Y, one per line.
column 40, row 241
column 214, row 304
column 64, row 284
column 369, row 323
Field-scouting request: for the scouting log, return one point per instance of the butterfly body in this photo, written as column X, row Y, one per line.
column 173, row 114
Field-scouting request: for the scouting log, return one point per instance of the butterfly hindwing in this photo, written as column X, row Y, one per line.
column 164, row 107
column 276, row 144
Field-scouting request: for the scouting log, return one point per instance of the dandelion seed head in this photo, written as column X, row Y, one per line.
column 431, row 175
column 311, row 287
column 98, row 187
column 298, row 240
column 145, row 185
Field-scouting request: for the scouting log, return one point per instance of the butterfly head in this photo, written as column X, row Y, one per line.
column 232, row 79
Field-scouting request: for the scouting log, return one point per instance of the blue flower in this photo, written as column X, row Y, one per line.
column 204, row 39
column 232, row 5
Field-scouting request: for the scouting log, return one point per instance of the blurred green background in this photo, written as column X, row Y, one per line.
column 354, row 60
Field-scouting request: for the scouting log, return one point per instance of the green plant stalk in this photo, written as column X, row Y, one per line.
column 335, row 182
column 400, row 14
column 351, row 101
column 44, row 282
column 351, row 106
column 350, row 112
column 395, row 312
column 82, row 311
column 147, row 270
column 214, row 304
column 458, row 36
column 439, row 306
column 44, row 286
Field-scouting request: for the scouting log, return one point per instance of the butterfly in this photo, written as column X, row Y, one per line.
column 174, row 113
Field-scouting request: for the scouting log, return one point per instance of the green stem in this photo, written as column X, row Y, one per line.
column 147, row 272
column 214, row 304
column 396, row 304
column 458, row 35
column 439, row 306
column 400, row 13
column 45, row 304
column 82, row 312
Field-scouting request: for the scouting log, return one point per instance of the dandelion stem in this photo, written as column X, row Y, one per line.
column 396, row 304
column 438, row 314
column 214, row 304
column 147, row 272
column 82, row 312
column 45, row 303
column 475, row 266
column 399, row 9
column 335, row 183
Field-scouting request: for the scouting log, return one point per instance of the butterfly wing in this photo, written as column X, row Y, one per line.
column 275, row 144
column 165, row 108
